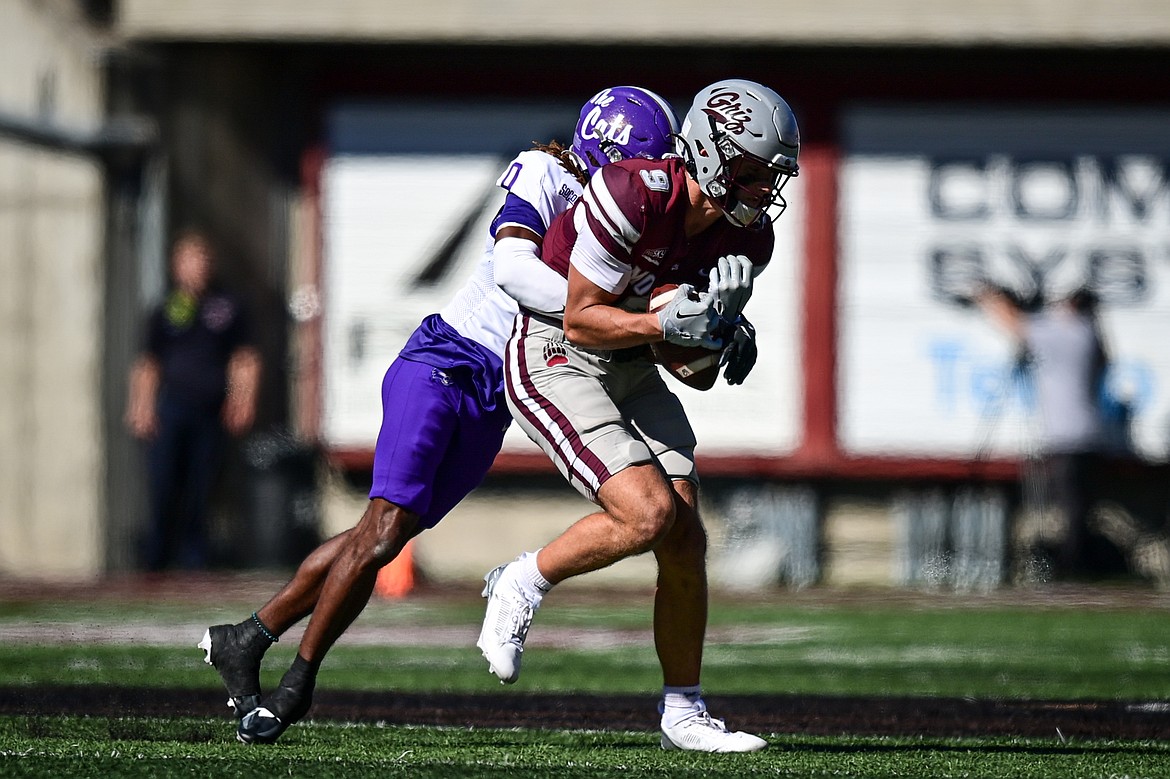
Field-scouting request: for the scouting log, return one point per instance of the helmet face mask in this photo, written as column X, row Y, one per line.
column 619, row 123
column 747, row 186
column 740, row 142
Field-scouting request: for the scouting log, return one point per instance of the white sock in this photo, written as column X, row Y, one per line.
column 678, row 703
column 534, row 584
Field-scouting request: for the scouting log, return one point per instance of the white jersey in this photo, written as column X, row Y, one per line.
column 539, row 189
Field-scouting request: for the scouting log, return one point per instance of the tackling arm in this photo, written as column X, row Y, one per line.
column 520, row 272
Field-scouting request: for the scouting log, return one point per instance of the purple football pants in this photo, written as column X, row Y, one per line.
column 436, row 443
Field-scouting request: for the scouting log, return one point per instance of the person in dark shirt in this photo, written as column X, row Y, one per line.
column 197, row 376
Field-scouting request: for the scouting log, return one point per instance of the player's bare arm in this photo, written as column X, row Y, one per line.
column 593, row 320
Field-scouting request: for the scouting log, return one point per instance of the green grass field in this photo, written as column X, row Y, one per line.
column 935, row 646
column 34, row 747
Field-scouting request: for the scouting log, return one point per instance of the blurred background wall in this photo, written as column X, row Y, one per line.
column 52, row 212
column 334, row 149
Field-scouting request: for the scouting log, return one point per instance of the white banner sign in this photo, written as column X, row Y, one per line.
column 933, row 201
column 389, row 216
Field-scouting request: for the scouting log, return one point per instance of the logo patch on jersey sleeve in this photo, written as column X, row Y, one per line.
column 566, row 192
column 656, row 180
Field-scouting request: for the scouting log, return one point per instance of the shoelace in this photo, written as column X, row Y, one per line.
column 713, row 720
column 701, row 717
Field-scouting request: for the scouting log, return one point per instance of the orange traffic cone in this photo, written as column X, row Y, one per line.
column 396, row 579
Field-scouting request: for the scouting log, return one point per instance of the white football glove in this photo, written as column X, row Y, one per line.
column 731, row 284
column 688, row 321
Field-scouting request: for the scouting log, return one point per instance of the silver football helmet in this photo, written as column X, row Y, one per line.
column 740, row 143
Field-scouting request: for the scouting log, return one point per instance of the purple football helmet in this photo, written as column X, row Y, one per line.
column 623, row 122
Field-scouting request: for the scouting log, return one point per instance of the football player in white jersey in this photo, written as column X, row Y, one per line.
column 443, row 416
column 582, row 384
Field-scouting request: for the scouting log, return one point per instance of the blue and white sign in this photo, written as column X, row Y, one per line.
column 935, row 201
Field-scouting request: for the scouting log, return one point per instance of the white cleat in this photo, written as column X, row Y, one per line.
column 703, row 733
column 505, row 624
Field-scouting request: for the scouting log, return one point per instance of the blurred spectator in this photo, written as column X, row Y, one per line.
column 1061, row 348
column 197, row 376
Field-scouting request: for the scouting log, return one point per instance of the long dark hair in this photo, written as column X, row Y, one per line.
column 565, row 156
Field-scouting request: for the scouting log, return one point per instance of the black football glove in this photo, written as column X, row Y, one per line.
column 739, row 356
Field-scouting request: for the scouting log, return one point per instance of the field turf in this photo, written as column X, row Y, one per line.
column 1058, row 683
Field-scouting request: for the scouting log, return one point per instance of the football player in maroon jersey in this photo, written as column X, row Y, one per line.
column 582, row 385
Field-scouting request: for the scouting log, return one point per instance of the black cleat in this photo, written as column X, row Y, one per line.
column 282, row 708
column 260, row 726
column 237, row 660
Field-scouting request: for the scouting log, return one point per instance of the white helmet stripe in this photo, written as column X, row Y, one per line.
column 666, row 109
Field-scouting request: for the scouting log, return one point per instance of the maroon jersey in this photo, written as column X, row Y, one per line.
column 626, row 233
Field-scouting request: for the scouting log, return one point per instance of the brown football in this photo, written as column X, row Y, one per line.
column 694, row 366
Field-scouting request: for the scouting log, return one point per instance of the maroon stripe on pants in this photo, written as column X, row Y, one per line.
column 585, row 457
